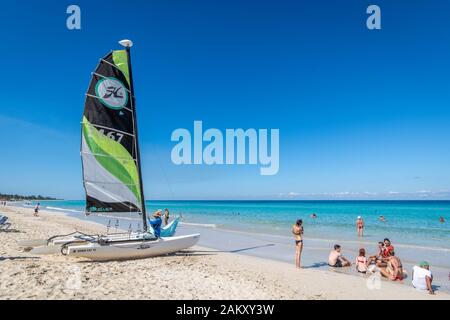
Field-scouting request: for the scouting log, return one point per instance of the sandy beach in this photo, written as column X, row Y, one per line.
column 198, row 273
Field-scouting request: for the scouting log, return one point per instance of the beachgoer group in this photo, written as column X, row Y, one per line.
column 384, row 261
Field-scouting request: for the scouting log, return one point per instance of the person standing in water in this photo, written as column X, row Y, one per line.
column 297, row 230
column 166, row 216
column 359, row 226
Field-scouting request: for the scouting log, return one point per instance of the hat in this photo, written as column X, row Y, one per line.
column 424, row 264
column 157, row 213
column 359, row 217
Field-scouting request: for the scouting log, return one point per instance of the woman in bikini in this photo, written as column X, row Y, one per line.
column 297, row 230
column 359, row 226
column 361, row 262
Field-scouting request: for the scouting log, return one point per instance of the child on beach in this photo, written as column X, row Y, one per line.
column 361, row 262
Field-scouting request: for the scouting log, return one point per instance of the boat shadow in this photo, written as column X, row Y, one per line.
column 214, row 251
column 17, row 258
column 10, row 231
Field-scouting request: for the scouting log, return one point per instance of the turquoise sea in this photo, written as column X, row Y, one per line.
column 414, row 223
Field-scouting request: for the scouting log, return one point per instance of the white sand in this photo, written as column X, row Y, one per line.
column 198, row 273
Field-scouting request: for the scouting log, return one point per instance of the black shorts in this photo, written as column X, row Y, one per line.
column 298, row 241
column 338, row 264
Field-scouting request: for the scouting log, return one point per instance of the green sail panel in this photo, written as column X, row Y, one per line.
column 108, row 146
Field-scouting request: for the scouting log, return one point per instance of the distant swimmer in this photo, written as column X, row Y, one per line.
column 441, row 220
column 359, row 226
column 382, row 219
column 313, row 216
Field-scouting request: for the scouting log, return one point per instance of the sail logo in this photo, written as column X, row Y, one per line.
column 112, row 93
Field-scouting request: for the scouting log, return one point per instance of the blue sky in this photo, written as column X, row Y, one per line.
column 362, row 114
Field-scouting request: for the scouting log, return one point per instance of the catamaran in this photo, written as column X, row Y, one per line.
column 112, row 175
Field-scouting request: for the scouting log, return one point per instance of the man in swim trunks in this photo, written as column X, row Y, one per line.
column 297, row 230
column 336, row 259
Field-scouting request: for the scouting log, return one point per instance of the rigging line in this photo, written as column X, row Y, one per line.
column 98, row 98
column 111, row 64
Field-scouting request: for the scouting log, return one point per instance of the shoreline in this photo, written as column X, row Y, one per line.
column 198, row 273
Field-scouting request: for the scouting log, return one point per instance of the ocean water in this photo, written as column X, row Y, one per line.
column 414, row 223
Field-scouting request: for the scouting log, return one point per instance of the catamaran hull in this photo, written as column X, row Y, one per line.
column 132, row 249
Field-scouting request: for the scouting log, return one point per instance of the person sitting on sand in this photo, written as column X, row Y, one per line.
column 376, row 258
column 388, row 248
column 387, row 251
column 394, row 268
column 297, row 230
column 36, row 210
column 422, row 277
column 336, row 259
column 156, row 222
column 359, row 226
column 361, row 262
column 166, row 216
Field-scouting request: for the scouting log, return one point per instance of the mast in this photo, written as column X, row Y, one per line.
column 128, row 44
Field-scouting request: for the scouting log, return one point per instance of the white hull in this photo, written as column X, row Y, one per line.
column 43, row 247
column 123, row 250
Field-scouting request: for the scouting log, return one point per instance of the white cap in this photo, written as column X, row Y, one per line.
column 359, row 217
column 126, row 43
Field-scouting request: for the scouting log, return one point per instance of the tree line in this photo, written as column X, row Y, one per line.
column 10, row 197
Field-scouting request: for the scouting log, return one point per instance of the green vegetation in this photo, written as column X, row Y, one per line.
column 12, row 197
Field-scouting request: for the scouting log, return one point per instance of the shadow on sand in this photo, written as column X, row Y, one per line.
column 315, row 265
column 17, row 258
column 235, row 250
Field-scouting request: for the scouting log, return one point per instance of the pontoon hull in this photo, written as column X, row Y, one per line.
column 132, row 249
